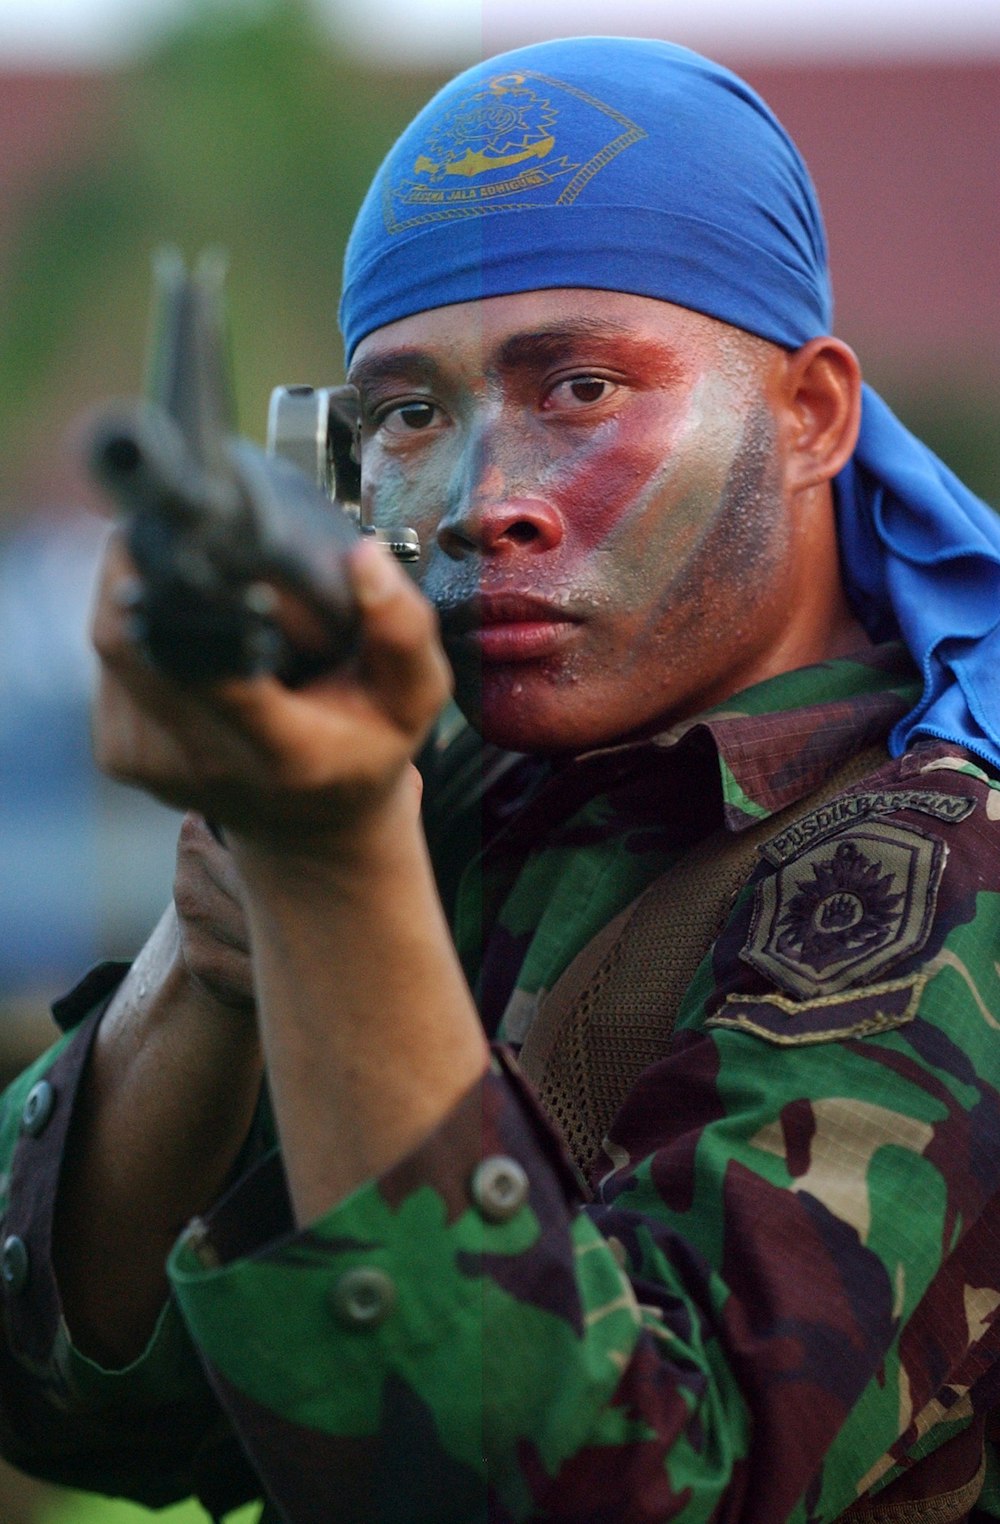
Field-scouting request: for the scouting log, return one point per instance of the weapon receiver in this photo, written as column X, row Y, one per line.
column 214, row 524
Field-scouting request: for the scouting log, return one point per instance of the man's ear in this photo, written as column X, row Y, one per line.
column 822, row 410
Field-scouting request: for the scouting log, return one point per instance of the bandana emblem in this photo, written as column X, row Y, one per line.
column 846, row 910
column 497, row 149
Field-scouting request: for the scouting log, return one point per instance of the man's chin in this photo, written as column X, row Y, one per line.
column 545, row 723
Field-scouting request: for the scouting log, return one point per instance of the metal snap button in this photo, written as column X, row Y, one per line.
column 364, row 1297
column 499, row 1188
column 38, row 1106
column 14, row 1264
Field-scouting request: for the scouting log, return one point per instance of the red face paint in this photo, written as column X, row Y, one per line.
column 597, row 486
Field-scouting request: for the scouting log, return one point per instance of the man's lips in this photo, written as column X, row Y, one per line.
column 504, row 627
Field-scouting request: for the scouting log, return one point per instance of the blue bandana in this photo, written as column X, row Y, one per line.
column 638, row 166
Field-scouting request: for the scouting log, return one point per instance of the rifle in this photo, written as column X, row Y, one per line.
column 215, row 525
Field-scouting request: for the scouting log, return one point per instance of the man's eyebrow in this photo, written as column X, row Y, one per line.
column 542, row 346
column 413, row 365
column 563, row 341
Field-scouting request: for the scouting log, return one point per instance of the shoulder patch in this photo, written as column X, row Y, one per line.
column 830, row 1018
column 846, row 909
column 839, row 813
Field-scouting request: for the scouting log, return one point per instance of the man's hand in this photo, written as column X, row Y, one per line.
column 214, row 941
column 369, row 1032
column 292, row 767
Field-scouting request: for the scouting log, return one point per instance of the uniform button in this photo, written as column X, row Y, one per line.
column 499, row 1188
column 363, row 1297
column 37, row 1108
column 14, row 1264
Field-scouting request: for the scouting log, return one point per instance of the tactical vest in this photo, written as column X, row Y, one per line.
column 611, row 1015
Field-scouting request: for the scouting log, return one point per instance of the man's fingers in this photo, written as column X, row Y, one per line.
column 112, row 619
column 253, row 753
column 214, row 937
column 401, row 656
column 199, row 842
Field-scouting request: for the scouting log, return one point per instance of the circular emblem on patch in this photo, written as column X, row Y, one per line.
column 846, row 910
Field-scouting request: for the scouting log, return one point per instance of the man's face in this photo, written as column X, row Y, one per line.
column 597, row 483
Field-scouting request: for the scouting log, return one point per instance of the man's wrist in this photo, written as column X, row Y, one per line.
column 374, row 844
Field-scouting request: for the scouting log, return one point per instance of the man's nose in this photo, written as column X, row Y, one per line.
column 494, row 516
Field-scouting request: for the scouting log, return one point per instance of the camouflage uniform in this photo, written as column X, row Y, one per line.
column 780, row 1282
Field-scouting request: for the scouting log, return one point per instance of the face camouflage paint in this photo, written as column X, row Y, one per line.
column 592, row 479
column 626, row 165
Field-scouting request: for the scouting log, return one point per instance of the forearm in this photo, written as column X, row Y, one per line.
column 370, row 1031
column 164, row 1109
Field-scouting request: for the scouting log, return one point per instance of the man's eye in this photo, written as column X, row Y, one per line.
column 408, row 417
column 579, row 391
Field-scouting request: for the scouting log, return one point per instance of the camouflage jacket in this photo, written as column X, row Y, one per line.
column 777, row 1291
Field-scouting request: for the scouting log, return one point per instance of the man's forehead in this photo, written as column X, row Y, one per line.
column 588, row 162
column 535, row 327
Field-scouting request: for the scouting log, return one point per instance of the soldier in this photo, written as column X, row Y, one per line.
column 738, row 630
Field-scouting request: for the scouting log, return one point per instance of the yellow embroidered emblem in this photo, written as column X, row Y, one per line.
column 496, row 149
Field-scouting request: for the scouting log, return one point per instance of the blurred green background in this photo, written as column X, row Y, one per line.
column 244, row 130
column 248, row 127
